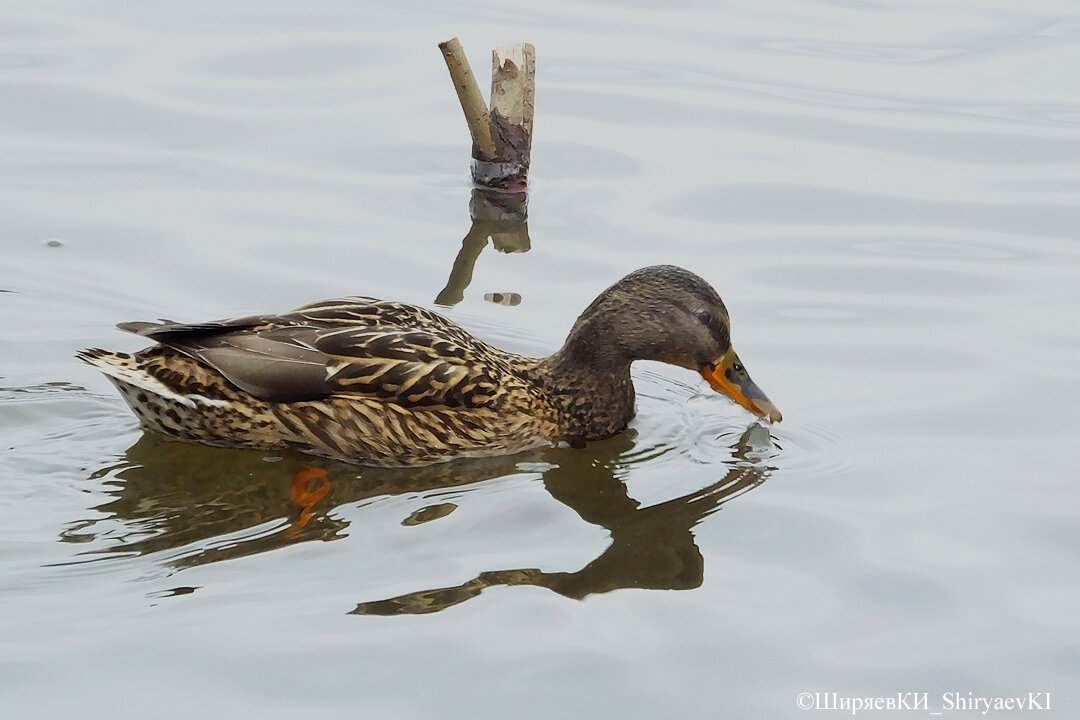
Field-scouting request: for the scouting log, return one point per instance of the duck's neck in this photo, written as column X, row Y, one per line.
column 588, row 380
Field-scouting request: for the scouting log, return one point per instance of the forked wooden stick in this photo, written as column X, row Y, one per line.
column 502, row 137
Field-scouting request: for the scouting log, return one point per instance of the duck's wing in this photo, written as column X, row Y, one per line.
column 411, row 367
column 356, row 346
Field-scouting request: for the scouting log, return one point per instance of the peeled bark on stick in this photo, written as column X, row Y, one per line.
column 513, row 90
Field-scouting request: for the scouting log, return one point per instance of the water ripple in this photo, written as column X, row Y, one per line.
column 853, row 51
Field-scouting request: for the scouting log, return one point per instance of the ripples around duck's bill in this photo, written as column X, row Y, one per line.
column 683, row 424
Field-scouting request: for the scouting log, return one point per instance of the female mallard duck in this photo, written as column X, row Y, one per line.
column 384, row 383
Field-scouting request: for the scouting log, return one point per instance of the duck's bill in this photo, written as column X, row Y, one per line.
column 727, row 375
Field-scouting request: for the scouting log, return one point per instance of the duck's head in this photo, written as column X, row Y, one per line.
column 669, row 314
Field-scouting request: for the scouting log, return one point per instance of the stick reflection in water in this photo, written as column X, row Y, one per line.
column 501, row 216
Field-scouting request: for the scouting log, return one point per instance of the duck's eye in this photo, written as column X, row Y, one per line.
column 738, row 367
column 705, row 317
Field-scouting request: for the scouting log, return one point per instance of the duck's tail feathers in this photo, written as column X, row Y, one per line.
column 126, row 372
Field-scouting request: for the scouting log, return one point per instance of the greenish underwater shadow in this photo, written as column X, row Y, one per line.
column 196, row 505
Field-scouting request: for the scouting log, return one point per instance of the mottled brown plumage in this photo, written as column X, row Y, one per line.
column 384, row 383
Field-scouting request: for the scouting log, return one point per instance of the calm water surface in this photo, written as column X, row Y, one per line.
column 886, row 195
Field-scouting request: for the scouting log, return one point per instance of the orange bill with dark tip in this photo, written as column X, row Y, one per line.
column 727, row 375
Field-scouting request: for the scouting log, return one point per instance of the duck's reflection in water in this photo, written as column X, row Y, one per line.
column 196, row 505
column 651, row 547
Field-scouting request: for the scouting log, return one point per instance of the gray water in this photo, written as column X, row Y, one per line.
column 884, row 194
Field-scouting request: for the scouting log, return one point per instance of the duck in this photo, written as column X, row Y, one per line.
column 389, row 384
